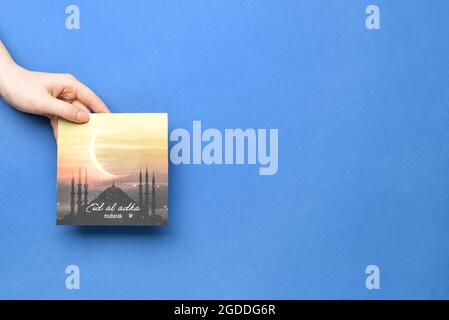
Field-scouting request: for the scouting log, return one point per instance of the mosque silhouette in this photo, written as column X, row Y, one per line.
column 112, row 206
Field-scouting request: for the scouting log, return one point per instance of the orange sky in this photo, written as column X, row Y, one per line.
column 114, row 146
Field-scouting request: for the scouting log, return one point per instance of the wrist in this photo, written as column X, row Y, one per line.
column 7, row 70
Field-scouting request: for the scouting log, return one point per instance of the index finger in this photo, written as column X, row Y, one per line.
column 90, row 99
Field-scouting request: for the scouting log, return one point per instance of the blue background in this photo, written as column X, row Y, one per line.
column 363, row 120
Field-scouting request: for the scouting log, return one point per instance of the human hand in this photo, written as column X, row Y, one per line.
column 48, row 94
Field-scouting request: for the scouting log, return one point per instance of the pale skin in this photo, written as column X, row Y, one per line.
column 48, row 94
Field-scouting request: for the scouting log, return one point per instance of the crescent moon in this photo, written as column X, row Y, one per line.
column 93, row 156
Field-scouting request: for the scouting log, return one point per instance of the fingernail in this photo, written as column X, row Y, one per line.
column 82, row 116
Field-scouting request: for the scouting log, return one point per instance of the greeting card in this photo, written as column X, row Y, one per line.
column 113, row 170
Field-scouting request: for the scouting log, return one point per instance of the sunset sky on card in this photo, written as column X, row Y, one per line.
column 114, row 147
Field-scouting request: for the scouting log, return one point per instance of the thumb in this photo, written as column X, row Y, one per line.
column 66, row 110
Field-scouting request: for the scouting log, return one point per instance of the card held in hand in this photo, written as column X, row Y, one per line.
column 113, row 170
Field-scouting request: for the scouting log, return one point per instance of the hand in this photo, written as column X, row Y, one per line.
column 48, row 94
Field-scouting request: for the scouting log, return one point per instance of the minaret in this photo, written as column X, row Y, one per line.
column 153, row 198
column 86, row 186
column 147, row 193
column 140, row 191
column 72, row 195
column 79, row 203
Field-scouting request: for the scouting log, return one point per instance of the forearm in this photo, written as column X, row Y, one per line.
column 7, row 65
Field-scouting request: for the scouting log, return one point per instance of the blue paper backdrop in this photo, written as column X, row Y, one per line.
column 363, row 119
